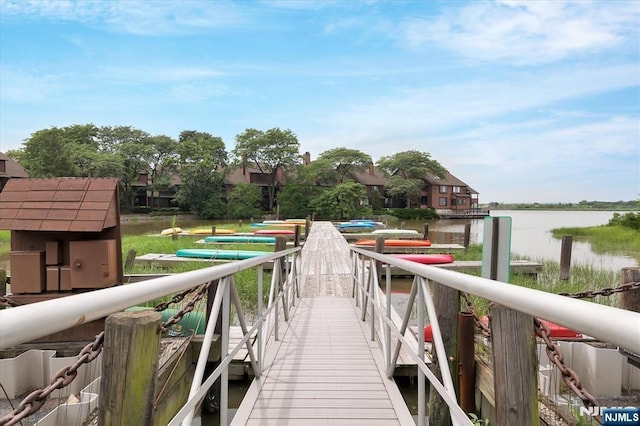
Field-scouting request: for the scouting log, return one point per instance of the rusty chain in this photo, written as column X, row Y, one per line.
column 589, row 294
column 569, row 376
column 476, row 319
column 36, row 399
column 188, row 307
column 7, row 301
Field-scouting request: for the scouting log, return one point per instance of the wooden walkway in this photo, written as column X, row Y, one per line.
column 324, row 370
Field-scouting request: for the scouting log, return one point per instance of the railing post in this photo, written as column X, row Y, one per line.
column 515, row 367
column 129, row 366
column 447, row 304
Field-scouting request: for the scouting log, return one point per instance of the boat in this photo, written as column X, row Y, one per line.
column 220, row 254
column 274, row 232
column 355, row 226
column 205, row 231
column 426, row 259
column 274, row 221
column 240, row 239
column 395, row 243
column 296, row 221
column 395, row 232
column 171, row 231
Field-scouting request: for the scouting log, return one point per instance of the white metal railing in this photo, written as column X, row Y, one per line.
column 602, row 322
column 28, row 322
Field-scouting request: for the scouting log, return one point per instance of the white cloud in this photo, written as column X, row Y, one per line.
column 526, row 32
column 151, row 17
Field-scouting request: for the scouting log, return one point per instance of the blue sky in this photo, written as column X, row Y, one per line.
column 525, row 101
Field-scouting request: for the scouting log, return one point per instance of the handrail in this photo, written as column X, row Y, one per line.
column 29, row 322
column 614, row 325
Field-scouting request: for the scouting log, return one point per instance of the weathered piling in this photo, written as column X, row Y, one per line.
column 447, row 303
column 296, row 236
column 129, row 365
column 515, row 367
column 467, row 235
column 565, row 257
column 630, row 299
column 466, row 354
column 130, row 260
column 213, row 230
column 425, row 231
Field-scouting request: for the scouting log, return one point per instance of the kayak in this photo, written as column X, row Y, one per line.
column 396, row 232
column 240, row 239
column 426, row 259
column 395, row 243
column 220, row 254
column 171, row 231
column 274, row 232
column 205, row 231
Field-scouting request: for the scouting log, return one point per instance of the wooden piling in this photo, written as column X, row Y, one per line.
column 447, row 303
column 565, row 257
column 466, row 354
column 515, row 367
column 630, row 299
column 425, row 231
column 129, row 366
column 467, row 235
column 130, row 260
column 213, row 230
column 296, row 236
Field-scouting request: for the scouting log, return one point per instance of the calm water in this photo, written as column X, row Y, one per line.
column 531, row 235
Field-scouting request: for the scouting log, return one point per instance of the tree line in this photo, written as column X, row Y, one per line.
column 324, row 187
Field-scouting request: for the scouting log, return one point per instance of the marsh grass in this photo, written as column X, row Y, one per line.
column 246, row 281
column 612, row 239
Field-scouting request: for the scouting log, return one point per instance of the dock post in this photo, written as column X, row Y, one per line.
column 3, row 284
column 630, row 299
column 296, row 236
column 467, row 235
column 129, row 366
column 130, row 260
column 466, row 354
column 213, row 230
column 447, row 303
column 515, row 367
column 425, row 231
column 565, row 257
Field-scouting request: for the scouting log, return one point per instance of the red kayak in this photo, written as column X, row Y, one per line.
column 426, row 259
column 396, row 243
column 274, row 232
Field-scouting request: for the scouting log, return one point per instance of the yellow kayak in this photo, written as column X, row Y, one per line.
column 207, row 231
column 171, row 231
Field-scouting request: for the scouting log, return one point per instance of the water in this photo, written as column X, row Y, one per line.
column 531, row 235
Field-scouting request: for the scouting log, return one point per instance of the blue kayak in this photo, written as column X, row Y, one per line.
column 220, row 254
column 239, row 239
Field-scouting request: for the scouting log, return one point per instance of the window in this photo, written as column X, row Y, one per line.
column 442, row 201
column 461, row 202
column 443, row 189
column 456, row 189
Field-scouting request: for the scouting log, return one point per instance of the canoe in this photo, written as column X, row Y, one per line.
column 395, row 243
column 220, row 254
column 395, row 232
column 171, row 231
column 426, row 259
column 296, row 221
column 240, row 239
column 274, row 232
column 270, row 222
column 205, row 231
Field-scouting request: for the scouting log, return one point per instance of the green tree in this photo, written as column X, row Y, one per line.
column 271, row 151
column 244, row 201
column 342, row 201
column 47, row 153
column 200, row 191
column 407, row 171
column 294, row 199
column 196, row 146
column 336, row 165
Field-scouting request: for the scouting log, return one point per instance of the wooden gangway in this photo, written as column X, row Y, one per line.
column 324, row 370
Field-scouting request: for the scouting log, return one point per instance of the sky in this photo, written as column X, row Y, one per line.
column 525, row 101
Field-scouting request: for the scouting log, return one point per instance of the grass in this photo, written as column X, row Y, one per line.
column 612, row 239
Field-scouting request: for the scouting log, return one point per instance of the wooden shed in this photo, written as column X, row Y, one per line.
column 65, row 235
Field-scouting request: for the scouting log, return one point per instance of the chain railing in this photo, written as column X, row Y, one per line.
column 143, row 291
column 590, row 294
column 614, row 325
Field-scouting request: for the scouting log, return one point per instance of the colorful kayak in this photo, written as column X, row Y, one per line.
column 220, row 254
column 171, row 231
column 274, row 232
column 426, row 259
column 240, row 239
column 205, row 231
column 395, row 243
column 396, row 232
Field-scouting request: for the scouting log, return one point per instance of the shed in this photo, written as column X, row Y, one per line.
column 9, row 169
column 65, row 235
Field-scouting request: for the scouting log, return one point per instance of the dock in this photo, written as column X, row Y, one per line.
column 324, row 369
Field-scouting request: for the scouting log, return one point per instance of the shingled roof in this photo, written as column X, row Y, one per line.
column 61, row 204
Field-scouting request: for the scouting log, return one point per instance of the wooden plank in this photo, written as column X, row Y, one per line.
column 317, row 403
column 323, row 413
column 322, row 422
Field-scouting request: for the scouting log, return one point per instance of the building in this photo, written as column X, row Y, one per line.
column 10, row 169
